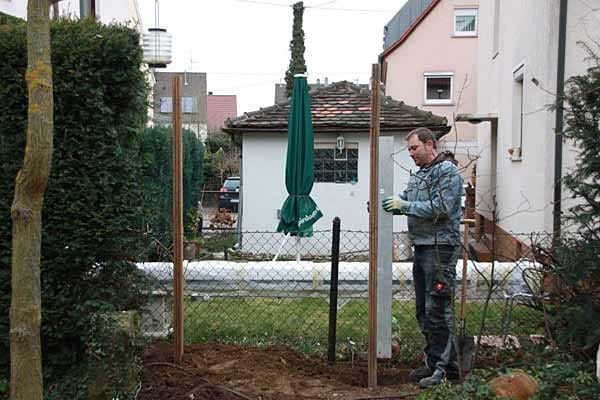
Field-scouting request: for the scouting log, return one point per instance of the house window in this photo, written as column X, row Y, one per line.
column 465, row 22
column 516, row 151
column 438, row 88
column 333, row 165
column 166, row 105
column 188, row 105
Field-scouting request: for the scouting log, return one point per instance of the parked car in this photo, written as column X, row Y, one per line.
column 229, row 194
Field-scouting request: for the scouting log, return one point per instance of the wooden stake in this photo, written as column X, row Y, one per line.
column 177, row 220
column 373, row 207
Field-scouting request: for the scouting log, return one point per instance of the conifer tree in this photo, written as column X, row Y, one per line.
column 297, row 63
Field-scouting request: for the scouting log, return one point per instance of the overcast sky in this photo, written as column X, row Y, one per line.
column 243, row 45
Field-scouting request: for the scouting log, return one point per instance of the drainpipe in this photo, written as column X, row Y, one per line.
column 559, row 124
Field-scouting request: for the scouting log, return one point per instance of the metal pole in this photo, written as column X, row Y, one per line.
column 373, row 222
column 298, row 248
column 177, row 220
column 333, row 289
column 559, row 120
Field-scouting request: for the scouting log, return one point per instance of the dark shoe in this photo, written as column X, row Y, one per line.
column 452, row 376
column 435, row 379
column 417, row 374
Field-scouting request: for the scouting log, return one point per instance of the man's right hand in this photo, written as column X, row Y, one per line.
column 395, row 204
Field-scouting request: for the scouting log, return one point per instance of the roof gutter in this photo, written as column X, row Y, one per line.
column 559, row 123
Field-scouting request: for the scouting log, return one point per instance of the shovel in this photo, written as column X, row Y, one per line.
column 466, row 344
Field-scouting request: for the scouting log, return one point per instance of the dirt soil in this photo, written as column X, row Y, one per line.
column 224, row 372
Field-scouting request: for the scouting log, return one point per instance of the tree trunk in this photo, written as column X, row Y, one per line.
column 26, row 211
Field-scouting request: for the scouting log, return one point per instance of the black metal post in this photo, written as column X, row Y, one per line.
column 559, row 121
column 333, row 289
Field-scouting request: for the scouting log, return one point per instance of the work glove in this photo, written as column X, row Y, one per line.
column 395, row 205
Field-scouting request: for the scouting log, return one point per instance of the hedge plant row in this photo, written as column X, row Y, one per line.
column 108, row 186
column 156, row 149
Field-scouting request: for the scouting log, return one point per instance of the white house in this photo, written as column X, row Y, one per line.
column 519, row 61
column 107, row 11
column 341, row 185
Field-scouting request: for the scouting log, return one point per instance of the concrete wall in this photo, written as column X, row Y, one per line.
column 263, row 183
column 432, row 47
column 528, row 36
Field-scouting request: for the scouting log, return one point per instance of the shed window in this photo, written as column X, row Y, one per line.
column 337, row 166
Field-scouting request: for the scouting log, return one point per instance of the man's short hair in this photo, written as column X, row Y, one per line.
column 424, row 135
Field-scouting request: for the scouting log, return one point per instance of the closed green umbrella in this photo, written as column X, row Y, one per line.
column 299, row 211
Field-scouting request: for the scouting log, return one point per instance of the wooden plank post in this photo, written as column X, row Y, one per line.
column 177, row 220
column 384, row 249
column 373, row 207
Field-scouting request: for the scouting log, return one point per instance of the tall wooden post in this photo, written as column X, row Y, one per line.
column 177, row 220
column 373, row 222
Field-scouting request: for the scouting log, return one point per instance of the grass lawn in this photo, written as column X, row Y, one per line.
column 303, row 323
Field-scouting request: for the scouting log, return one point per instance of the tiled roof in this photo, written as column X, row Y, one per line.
column 341, row 107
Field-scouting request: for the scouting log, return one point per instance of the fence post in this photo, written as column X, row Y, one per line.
column 333, row 289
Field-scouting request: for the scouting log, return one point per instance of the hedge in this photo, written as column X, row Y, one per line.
column 93, row 214
column 156, row 149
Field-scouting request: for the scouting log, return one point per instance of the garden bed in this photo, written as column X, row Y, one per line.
column 217, row 371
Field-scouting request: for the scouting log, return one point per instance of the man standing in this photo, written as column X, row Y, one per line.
column 432, row 203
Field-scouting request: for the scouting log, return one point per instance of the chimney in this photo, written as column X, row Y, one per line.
column 210, row 93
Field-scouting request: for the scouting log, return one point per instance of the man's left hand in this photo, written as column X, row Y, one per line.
column 395, row 204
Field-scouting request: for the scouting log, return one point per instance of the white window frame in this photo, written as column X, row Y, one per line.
column 165, row 105
column 428, row 75
column 189, row 105
column 461, row 12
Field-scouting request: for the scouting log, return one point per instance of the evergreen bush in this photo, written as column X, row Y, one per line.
column 156, row 150
column 576, row 259
column 93, row 210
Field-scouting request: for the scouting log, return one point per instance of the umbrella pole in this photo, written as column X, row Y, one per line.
column 298, row 248
column 281, row 246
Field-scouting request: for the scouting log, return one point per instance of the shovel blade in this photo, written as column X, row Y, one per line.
column 466, row 351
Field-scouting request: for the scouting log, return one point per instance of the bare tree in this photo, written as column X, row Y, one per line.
column 26, row 211
column 228, row 163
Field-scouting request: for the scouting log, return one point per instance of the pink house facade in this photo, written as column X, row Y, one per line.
column 219, row 108
column 431, row 56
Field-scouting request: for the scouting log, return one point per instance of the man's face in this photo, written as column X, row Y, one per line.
column 421, row 153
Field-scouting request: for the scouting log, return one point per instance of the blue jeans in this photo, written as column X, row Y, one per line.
column 434, row 275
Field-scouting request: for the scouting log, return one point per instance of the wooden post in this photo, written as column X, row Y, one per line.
column 177, row 220
column 373, row 207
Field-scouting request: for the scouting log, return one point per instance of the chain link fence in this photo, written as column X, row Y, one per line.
column 259, row 288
